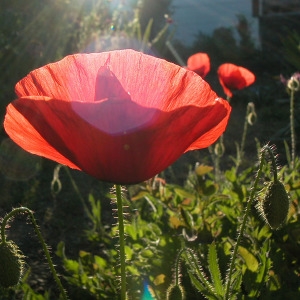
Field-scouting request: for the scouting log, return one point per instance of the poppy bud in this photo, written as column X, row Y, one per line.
column 275, row 206
column 251, row 118
column 175, row 291
column 219, row 148
column 11, row 264
column 293, row 83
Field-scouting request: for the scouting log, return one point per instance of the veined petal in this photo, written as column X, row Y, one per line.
column 148, row 80
column 120, row 116
column 22, row 131
column 57, row 132
column 234, row 77
column 199, row 63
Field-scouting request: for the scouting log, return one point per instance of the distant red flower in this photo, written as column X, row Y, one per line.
column 199, row 63
column 120, row 116
column 234, row 77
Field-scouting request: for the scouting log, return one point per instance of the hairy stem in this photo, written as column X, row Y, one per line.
column 121, row 240
column 265, row 149
column 292, row 124
column 244, row 132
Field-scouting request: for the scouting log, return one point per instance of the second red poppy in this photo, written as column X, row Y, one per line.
column 233, row 77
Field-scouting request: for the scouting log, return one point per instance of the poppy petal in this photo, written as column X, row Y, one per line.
column 57, row 132
column 134, row 121
column 233, row 77
column 108, row 86
column 199, row 63
column 25, row 135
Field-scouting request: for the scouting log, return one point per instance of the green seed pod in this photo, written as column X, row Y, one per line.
column 275, row 206
column 11, row 264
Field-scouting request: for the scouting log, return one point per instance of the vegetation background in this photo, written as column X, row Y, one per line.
column 36, row 32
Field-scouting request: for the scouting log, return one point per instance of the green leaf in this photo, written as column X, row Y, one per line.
column 139, row 195
column 60, row 251
column 264, row 233
column 133, row 271
column 83, row 254
column 71, row 266
column 182, row 193
column 128, row 252
column 147, row 253
column 231, row 175
column 131, row 230
column 197, row 283
column 101, row 262
column 147, row 33
column 187, row 217
column 250, row 260
column 210, row 189
column 236, row 281
column 215, row 270
column 262, row 275
column 203, row 169
column 287, row 152
column 195, row 267
column 202, row 289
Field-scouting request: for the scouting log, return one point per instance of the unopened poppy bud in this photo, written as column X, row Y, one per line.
column 294, row 82
column 219, row 149
column 175, row 291
column 274, row 207
column 11, row 264
column 251, row 118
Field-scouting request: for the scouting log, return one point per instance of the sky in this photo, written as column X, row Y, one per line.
column 192, row 16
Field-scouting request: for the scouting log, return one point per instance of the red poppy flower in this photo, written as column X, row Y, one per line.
column 199, row 63
column 234, row 77
column 120, row 116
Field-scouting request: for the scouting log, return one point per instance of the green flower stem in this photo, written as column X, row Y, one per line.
column 175, row 54
column 273, row 161
column 40, row 237
column 268, row 149
column 217, row 153
column 76, row 189
column 244, row 132
column 177, row 267
column 292, row 124
column 240, row 154
column 121, row 240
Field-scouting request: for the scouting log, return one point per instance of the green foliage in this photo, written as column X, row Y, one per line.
column 192, row 226
column 29, row 293
column 90, row 273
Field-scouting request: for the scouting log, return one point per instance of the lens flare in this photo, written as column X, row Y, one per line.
column 148, row 292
